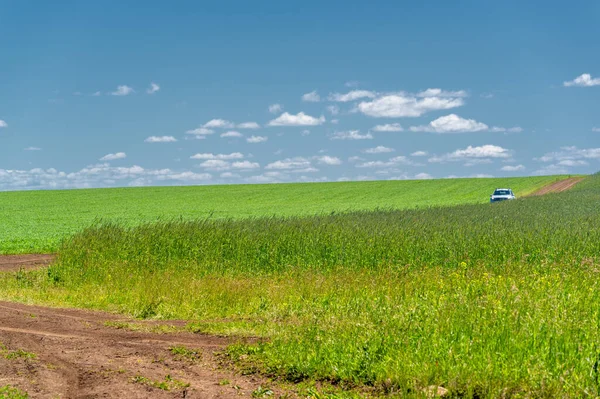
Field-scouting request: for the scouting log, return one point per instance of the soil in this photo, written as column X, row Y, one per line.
column 13, row 263
column 78, row 356
column 558, row 186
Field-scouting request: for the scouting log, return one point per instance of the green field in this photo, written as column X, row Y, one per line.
column 36, row 221
column 489, row 301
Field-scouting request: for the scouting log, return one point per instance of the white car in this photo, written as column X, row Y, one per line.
column 502, row 194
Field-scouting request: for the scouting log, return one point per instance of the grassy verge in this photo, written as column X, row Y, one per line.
column 485, row 300
column 9, row 392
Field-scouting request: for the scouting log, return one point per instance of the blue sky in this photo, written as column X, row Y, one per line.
column 119, row 93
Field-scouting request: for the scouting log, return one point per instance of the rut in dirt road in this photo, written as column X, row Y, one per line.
column 78, row 356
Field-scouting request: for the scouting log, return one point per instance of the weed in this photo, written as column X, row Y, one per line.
column 168, row 384
column 9, row 392
column 20, row 354
column 16, row 354
column 262, row 392
column 183, row 353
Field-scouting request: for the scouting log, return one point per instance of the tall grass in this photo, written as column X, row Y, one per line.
column 494, row 300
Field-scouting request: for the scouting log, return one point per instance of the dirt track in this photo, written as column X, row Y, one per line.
column 559, row 186
column 12, row 263
column 77, row 356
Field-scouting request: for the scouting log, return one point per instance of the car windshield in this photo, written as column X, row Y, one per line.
column 502, row 192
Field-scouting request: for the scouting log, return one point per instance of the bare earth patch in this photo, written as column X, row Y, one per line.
column 559, row 186
column 73, row 354
column 12, row 263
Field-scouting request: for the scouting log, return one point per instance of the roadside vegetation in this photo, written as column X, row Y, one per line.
column 485, row 300
column 37, row 221
column 9, row 392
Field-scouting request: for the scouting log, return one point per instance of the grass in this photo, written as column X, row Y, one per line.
column 180, row 352
column 168, row 384
column 9, row 392
column 16, row 354
column 37, row 221
column 485, row 300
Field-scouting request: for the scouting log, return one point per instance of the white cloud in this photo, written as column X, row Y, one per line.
column 201, row 131
column 455, row 124
column 112, row 157
column 470, row 153
column 419, row 154
column 305, row 132
column 123, row 90
column 229, row 175
column 215, row 165
column 153, row 88
column 248, row 125
column 310, row 169
column 404, row 105
column 515, row 129
column 300, row 119
column 351, row 96
column 335, row 121
column 289, row 163
column 245, row 165
column 232, row 134
column 573, row 162
column 218, row 123
column 3, row 124
column 477, row 161
column 261, row 179
column 312, row 97
column 423, row 176
column 233, row 155
column 584, row 80
column 333, row 109
column 257, row 139
column 32, row 149
column 390, row 127
column 442, row 93
column 551, row 170
column 451, row 124
column 99, row 175
column 570, row 153
column 160, row 139
column 328, row 160
column 275, row 108
column 596, row 129
column 351, row 135
column 185, row 176
column 378, row 150
column 392, row 162
column 355, row 159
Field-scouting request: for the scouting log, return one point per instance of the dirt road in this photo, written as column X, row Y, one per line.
column 54, row 353
column 558, row 186
column 12, row 263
